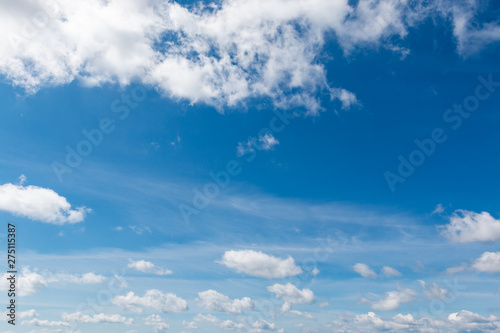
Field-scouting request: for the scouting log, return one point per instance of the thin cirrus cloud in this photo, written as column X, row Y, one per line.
column 215, row 301
column 221, row 55
column 39, row 204
column 148, row 267
column 258, row 264
column 466, row 226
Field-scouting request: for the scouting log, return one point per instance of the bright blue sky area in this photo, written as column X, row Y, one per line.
column 325, row 178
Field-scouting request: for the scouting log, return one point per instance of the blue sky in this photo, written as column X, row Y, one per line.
column 251, row 166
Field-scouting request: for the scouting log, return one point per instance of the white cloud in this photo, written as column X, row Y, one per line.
column 263, row 142
column 153, row 299
column 290, row 294
column 489, row 262
column 140, row 229
column 44, row 323
column 259, row 264
column 97, row 318
column 148, row 267
column 158, row 324
column 364, row 270
column 466, row 226
column 39, row 204
column 214, row 301
column 221, row 55
column 28, row 314
column 434, row 291
column 438, row 210
column 389, row 271
column 225, row 324
column 392, row 300
column 31, row 282
column 457, row 269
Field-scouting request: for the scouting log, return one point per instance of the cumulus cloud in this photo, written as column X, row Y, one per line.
column 392, row 300
column 259, row 264
column 222, row 54
column 463, row 321
column 45, row 323
column 154, row 299
column 466, row 226
column 32, row 281
column 290, row 294
column 148, row 267
column 39, row 204
column 364, row 270
column 97, row 318
column 215, row 301
column 489, row 262
column 158, row 324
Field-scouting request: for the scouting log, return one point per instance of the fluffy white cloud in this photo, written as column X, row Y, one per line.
column 28, row 314
column 30, row 282
column 217, row 54
column 463, row 321
column 389, row 271
column 39, row 204
column 466, row 226
column 148, row 267
column 214, row 301
column 44, row 323
column 97, row 318
column 153, row 299
column 158, row 324
column 260, row 264
column 392, row 300
column 489, row 262
column 290, row 294
column 364, row 270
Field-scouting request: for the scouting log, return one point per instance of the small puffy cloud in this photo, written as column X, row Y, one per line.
column 264, row 142
column 148, row 267
column 466, row 226
column 31, row 281
column 97, row 318
column 259, row 264
column 389, row 271
column 434, row 291
column 457, row 269
column 392, row 300
column 28, row 314
column 39, row 204
column 153, row 299
column 489, row 262
column 158, row 324
column 215, row 301
column 364, row 270
column 290, row 294
column 45, row 323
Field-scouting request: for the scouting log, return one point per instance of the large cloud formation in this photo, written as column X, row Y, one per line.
column 221, row 54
